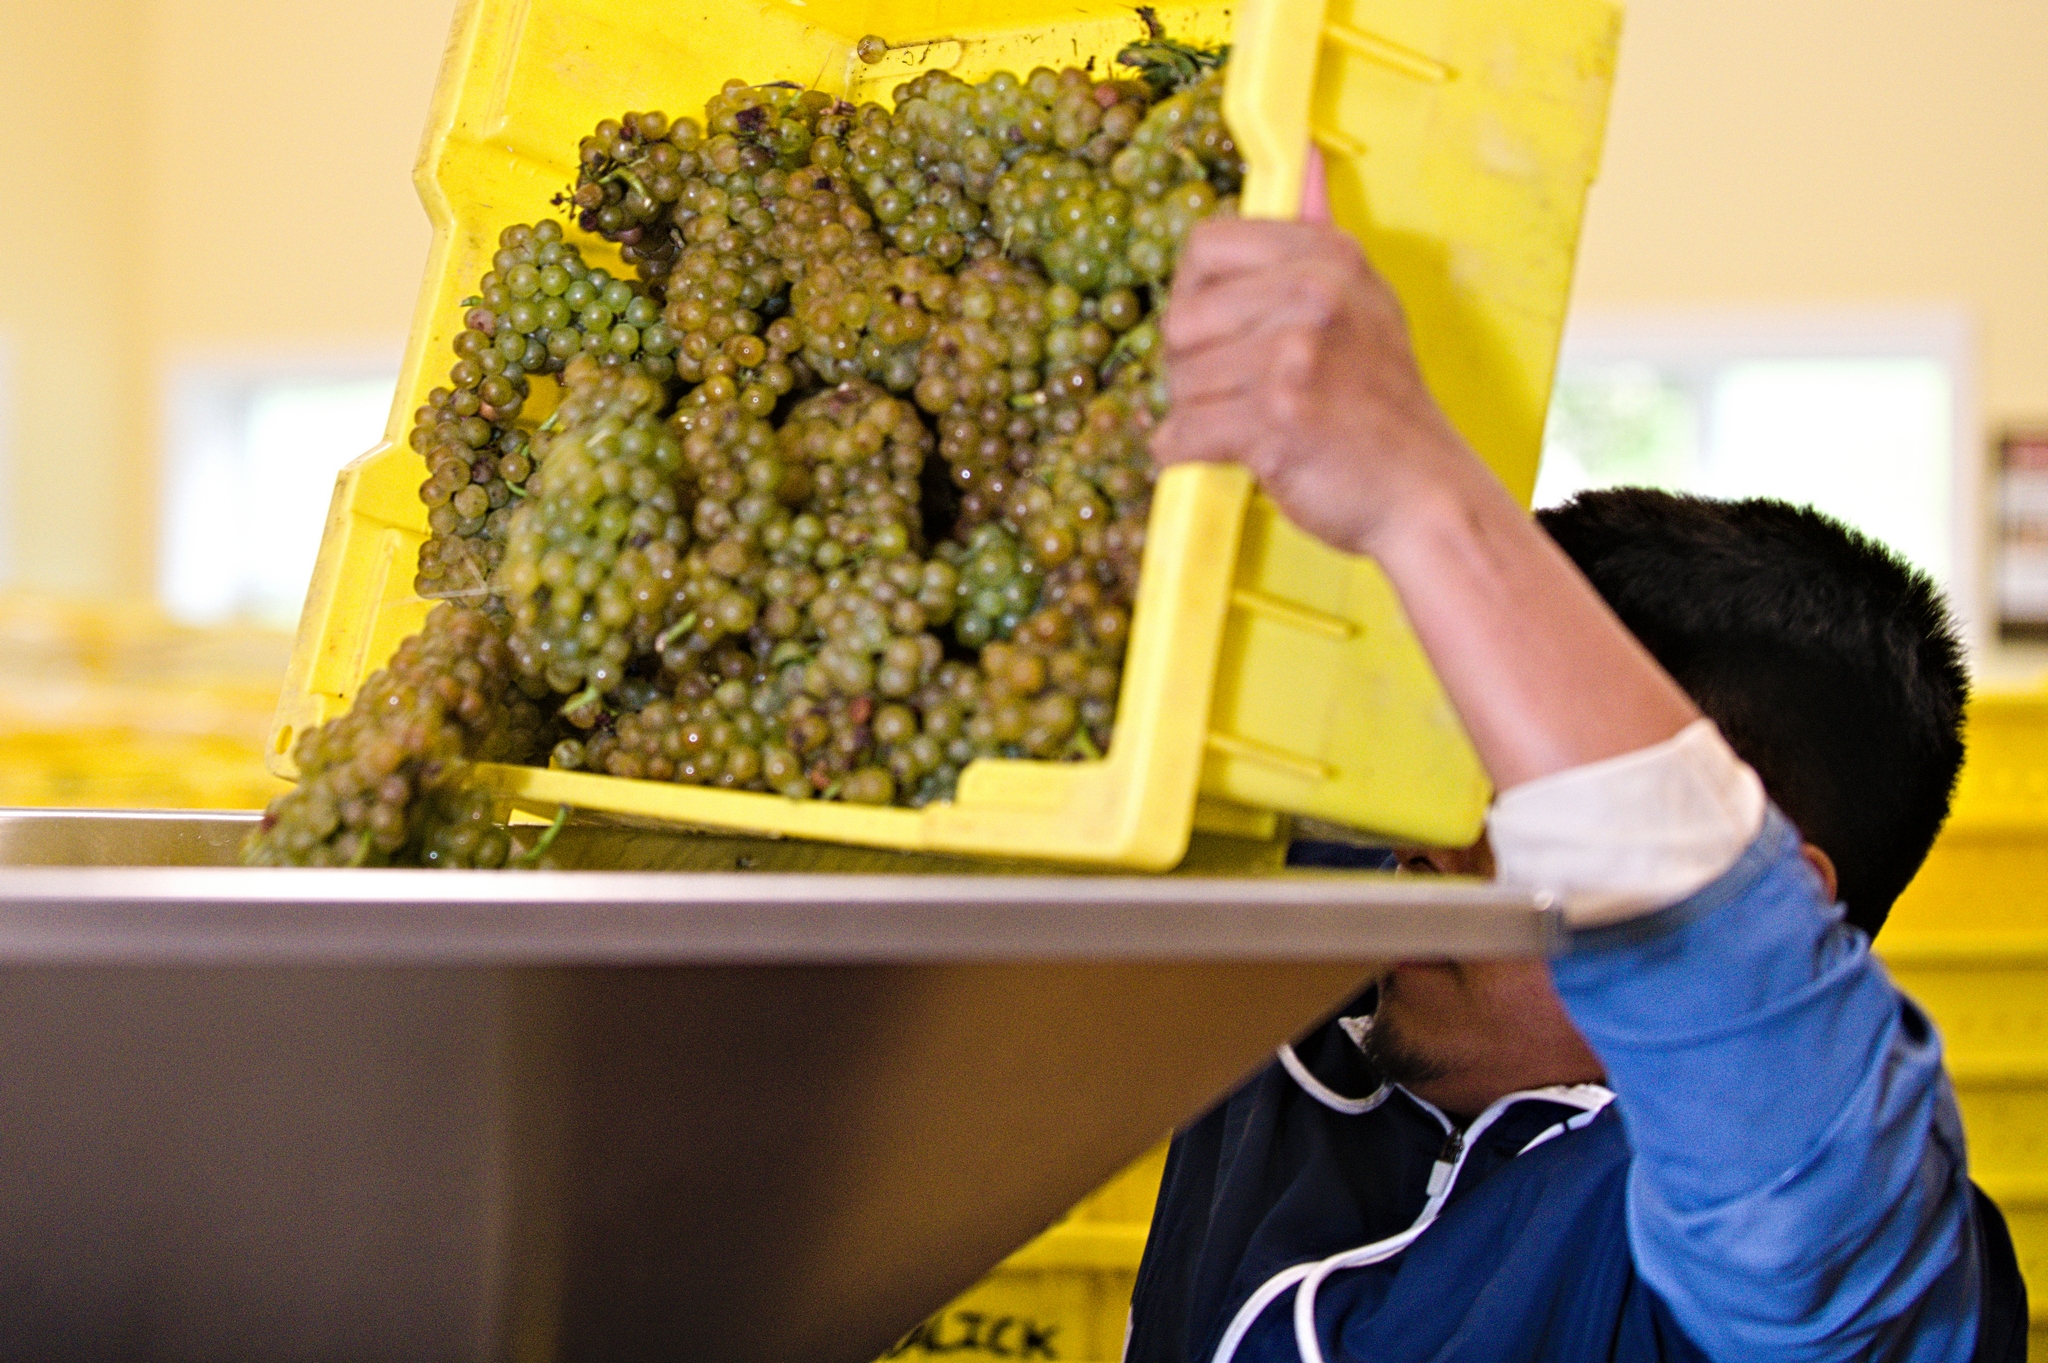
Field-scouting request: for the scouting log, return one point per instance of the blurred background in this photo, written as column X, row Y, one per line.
column 1812, row 267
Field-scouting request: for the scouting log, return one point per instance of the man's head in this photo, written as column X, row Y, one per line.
column 1828, row 664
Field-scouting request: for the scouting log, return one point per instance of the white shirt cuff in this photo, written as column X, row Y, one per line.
column 1632, row 834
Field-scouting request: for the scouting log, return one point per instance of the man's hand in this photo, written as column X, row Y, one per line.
column 1287, row 353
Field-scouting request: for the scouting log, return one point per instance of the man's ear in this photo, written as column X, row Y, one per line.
column 1823, row 866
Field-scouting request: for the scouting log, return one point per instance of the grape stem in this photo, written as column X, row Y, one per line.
column 626, row 174
column 582, row 698
column 1084, row 746
column 1123, row 351
column 1166, row 65
column 546, row 840
column 676, row 631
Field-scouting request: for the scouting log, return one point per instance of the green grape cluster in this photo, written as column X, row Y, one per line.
column 590, row 571
column 386, row 783
column 538, row 308
column 1102, row 224
column 998, row 584
column 1068, row 216
column 836, row 485
column 1179, row 167
column 630, row 172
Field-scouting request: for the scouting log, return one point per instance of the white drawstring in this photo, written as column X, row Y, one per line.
column 1324, row 1094
column 1307, row 1279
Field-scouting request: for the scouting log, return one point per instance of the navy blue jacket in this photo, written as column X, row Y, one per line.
column 1538, row 1250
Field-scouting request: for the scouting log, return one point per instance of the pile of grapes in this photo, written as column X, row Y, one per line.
column 844, row 482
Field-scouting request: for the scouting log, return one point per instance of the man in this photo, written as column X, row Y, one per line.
column 1448, row 1174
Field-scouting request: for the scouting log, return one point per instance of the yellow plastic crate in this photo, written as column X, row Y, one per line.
column 1988, row 995
column 2006, row 775
column 1988, row 872
column 1989, row 998
column 109, row 704
column 1969, row 940
column 1064, row 1296
column 1265, row 672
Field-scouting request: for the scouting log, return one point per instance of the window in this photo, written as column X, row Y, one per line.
column 1869, row 418
column 253, row 451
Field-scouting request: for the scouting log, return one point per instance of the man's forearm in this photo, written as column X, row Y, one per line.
column 1541, row 672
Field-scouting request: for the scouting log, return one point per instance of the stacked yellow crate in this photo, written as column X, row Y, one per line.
column 1063, row 1296
column 1969, row 940
column 113, row 706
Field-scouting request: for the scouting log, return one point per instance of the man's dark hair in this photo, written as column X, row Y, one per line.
column 1829, row 665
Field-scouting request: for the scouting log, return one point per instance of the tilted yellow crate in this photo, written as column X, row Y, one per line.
column 1264, row 672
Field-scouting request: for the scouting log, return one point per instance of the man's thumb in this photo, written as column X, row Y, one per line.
column 1315, row 187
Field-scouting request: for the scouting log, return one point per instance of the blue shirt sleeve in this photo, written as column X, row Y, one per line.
column 1798, row 1188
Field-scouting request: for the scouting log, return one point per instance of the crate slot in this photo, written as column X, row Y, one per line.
column 1294, row 764
column 1291, row 613
column 1386, row 52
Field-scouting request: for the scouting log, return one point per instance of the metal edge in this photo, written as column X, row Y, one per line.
column 214, row 916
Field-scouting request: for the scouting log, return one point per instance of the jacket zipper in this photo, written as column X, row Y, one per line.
column 1446, row 1161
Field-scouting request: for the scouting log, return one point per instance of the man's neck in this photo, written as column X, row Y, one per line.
column 1462, row 1096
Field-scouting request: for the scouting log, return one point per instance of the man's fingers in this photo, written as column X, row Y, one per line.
column 1315, row 187
column 1219, row 247
column 1215, row 431
column 1235, row 365
column 1226, row 309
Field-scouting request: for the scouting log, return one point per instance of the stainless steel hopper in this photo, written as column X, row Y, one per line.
column 722, row 1105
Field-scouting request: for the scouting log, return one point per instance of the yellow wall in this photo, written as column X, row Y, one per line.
column 187, row 175
column 1783, row 152
column 69, row 159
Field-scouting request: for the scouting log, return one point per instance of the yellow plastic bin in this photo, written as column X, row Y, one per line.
column 1265, row 672
column 1969, row 940
column 1064, row 1296
column 111, row 705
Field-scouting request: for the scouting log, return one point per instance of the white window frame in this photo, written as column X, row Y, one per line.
column 204, row 404
column 1691, row 345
